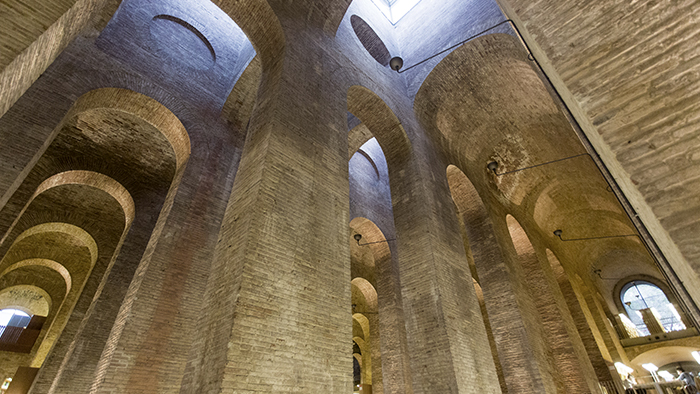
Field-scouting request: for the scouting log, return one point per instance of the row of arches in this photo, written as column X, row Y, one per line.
column 475, row 275
column 72, row 213
column 542, row 200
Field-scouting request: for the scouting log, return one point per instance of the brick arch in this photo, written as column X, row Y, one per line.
column 107, row 101
column 72, row 201
column 97, row 181
column 366, row 359
column 363, row 322
column 381, row 121
column 60, row 269
column 380, row 252
column 24, row 303
column 485, row 102
column 66, row 249
column 43, row 277
column 364, row 294
column 79, row 235
column 72, row 220
column 661, row 355
column 520, row 239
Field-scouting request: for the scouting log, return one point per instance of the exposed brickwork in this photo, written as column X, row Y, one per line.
column 630, row 71
column 508, row 326
column 233, row 268
column 568, row 372
column 599, row 365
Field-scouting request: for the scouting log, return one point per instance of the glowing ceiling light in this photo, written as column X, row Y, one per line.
column 696, row 356
column 667, row 376
column 650, row 367
column 622, row 369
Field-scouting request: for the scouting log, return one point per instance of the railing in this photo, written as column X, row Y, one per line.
column 17, row 339
column 674, row 387
column 609, row 387
column 10, row 334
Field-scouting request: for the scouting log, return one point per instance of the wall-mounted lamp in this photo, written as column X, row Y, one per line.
column 492, row 166
column 558, row 233
column 358, row 237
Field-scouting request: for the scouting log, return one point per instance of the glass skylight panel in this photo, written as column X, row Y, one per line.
column 394, row 10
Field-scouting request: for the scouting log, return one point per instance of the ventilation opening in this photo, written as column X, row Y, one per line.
column 370, row 40
column 394, row 10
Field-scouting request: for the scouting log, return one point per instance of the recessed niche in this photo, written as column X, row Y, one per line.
column 370, row 40
column 182, row 42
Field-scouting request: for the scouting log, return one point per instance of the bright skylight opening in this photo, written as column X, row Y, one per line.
column 394, row 10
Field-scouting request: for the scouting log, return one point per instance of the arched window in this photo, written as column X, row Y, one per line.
column 638, row 295
column 13, row 318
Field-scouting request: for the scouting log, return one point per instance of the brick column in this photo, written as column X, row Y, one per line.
column 276, row 304
column 606, row 337
column 506, row 300
column 447, row 341
column 571, row 366
column 375, row 335
column 396, row 374
column 73, row 371
column 600, row 367
column 148, row 347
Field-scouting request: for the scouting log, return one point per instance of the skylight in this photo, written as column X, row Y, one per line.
column 394, row 10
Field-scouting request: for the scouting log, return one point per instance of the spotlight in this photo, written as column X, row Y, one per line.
column 557, row 233
column 357, row 237
column 492, row 166
column 396, row 63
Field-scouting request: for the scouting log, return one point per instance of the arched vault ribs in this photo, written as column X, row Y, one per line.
column 382, row 122
column 500, row 293
column 568, row 365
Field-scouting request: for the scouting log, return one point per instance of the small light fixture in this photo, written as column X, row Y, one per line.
column 396, row 63
column 558, row 233
column 622, row 369
column 492, row 166
column 357, row 237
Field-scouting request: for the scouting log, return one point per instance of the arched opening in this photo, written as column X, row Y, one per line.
column 377, row 146
column 570, row 370
column 648, row 307
column 14, row 318
column 78, row 212
column 366, row 314
column 490, row 274
column 382, row 123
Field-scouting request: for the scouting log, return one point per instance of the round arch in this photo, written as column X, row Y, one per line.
column 30, row 299
column 364, row 295
column 109, row 100
column 622, row 286
column 381, row 121
column 61, row 270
